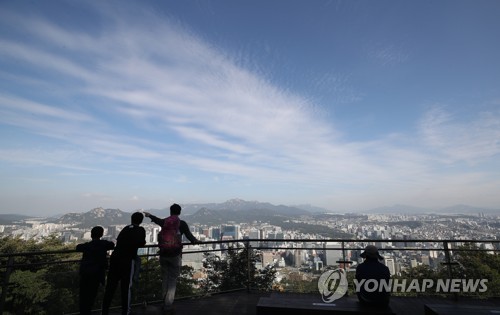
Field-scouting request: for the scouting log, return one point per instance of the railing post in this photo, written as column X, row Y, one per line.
column 247, row 245
column 5, row 284
column 344, row 264
column 449, row 263
column 148, row 271
column 447, row 258
column 343, row 254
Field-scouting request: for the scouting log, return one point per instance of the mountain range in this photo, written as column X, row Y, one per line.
column 242, row 205
column 456, row 209
column 236, row 210
column 96, row 216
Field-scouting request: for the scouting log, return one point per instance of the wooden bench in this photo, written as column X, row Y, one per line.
column 458, row 309
column 285, row 304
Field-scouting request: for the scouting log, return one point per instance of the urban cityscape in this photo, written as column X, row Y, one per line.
column 405, row 241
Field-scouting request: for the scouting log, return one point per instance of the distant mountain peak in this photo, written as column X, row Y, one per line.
column 98, row 212
column 235, row 200
column 96, row 216
column 205, row 212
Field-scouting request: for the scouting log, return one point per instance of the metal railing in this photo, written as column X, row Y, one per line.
column 65, row 263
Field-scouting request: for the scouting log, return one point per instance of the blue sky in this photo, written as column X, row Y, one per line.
column 346, row 105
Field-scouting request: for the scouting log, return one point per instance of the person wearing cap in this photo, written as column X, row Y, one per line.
column 372, row 269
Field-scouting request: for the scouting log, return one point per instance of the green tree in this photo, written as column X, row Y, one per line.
column 294, row 283
column 150, row 284
column 476, row 265
column 264, row 279
column 149, row 287
column 65, row 292
column 41, row 282
column 30, row 292
column 214, row 267
column 11, row 245
column 236, row 271
column 186, row 283
column 419, row 274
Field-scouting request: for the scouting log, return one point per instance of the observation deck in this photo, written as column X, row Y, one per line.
column 61, row 267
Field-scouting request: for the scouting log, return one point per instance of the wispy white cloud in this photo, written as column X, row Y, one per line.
column 189, row 90
column 472, row 140
column 58, row 158
column 150, row 98
column 43, row 59
column 29, row 108
column 388, row 53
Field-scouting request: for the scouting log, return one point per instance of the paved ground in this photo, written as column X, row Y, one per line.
column 243, row 303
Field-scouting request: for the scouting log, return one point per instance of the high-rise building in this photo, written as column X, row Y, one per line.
column 297, row 258
column 216, row 233
column 318, row 263
column 207, row 232
column 389, row 262
column 332, row 255
column 425, row 260
column 148, row 237
column 267, row 258
column 231, row 231
column 154, row 235
column 413, row 263
column 254, row 234
column 112, row 232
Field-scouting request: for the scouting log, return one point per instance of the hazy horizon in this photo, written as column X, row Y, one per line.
column 406, row 209
column 341, row 104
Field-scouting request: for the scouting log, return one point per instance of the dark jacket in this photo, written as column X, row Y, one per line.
column 94, row 261
column 130, row 239
column 373, row 269
column 183, row 229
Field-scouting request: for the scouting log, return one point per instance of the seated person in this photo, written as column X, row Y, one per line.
column 372, row 268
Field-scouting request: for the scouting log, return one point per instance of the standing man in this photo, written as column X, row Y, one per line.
column 92, row 267
column 372, row 269
column 170, row 244
column 123, row 263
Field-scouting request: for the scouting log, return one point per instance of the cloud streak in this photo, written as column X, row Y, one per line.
column 150, row 92
column 472, row 141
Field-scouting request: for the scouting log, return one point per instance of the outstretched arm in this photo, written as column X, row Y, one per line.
column 154, row 218
column 185, row 230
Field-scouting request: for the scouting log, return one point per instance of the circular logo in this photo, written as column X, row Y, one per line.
column 332, row 285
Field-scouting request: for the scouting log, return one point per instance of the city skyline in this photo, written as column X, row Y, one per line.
column 341, row 105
